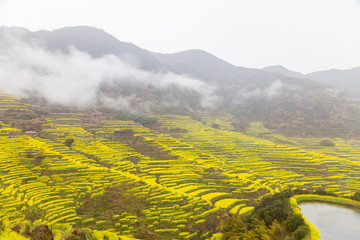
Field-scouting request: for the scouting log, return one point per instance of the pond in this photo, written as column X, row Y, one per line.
column 335, row 222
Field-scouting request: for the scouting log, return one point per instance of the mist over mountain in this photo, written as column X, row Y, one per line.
column 97, row 43
column 347, row 80
column 87, row 67
column 69, row 70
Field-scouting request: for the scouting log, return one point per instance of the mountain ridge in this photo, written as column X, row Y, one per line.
column 282, row 70
column 282, row 103
column 97, row 43
column 345, row 79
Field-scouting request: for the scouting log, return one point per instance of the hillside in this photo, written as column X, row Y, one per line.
column 283, row 100
column 175, row 178
column 193, row 83
column 346, row 80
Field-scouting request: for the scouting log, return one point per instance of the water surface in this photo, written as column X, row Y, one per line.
column 335, row 222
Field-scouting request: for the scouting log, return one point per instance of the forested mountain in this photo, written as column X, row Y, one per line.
column 202, row 83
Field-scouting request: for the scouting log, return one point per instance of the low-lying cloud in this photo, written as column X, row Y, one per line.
column 75, row 78
column 247, row 93
column 266, row 93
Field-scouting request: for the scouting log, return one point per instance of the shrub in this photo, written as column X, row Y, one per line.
column 324, row 193
column 301, row 232
column 233, row 228
column 33, row 213
column 294, row 221
column 77, row 234
column 146, row 121
column 42, row 232
column 327, row 143
column 356, row 196
column 277, row 231
column 301, row 191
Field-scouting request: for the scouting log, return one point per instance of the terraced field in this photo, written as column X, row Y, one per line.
column 174, row 181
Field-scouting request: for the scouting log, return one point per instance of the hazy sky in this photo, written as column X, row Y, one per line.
column 303, row 35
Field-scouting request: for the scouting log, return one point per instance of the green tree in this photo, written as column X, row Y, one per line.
column 356, row 196
column 69, row 142
column 301, row 232
column 233, row 229
column 277, row 231
column 260, row 232
column 273, row 207
column 294, row 221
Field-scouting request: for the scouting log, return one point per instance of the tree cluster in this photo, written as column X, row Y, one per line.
column 272, row 219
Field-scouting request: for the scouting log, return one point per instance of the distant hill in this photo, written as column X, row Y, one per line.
column 283, row 100
column 284, row 71
column 275, row 96
column 97, row 43
column 348, row 80
column 205, row 66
